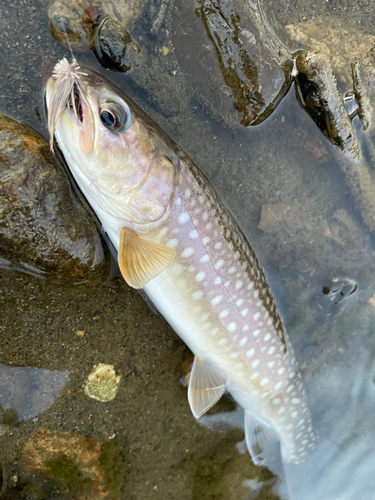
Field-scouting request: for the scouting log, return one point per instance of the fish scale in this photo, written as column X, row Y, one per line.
column 176, row 239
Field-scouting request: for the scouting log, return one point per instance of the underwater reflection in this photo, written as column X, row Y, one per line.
column 343, row 383
column 28, row 392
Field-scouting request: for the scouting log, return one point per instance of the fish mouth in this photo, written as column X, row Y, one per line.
column 74, row 103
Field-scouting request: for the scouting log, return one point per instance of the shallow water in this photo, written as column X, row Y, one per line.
column 282, row 179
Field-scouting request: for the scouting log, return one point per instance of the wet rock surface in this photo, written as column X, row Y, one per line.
column 239, row 71
column 78, row 20
column 43, row 228
column 79, row 466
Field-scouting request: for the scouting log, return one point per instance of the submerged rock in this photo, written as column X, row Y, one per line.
column 238, row 67
column 115, row 48
column 44, row 231
column 80, row 466
column 103, row 27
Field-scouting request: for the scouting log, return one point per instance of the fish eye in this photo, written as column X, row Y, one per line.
column 108, row 118
column 115, row 116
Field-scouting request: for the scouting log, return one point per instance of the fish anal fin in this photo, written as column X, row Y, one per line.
column 257, row 436
column 141, row 260
column 206, row 386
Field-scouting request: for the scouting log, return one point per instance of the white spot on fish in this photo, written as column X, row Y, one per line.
column 255, row 363
column 264, row 381
column 294, row 414
column 232, row 327
column 256, row 293
column 238, row 284
column 205, row 240
column 197, row 295
column 239, row 302
column 269, row 321
column 216, row 300
column 244, row 312
column 177, row 269
column 183, row 218
column 256, row 333
column 281, row 410
column 254, row 376
column 193, row 234
column 219, row 264
column 276, row 401
column 187, row 193
column 281, row 370
column 243, row 341
column 234, row 354
column 271, row 364
column 246, row 328
column 250, row 286
column 200, row 276
column 214, row 331
column 250, row 352
column 224, row 314
column 267, row 337
column 217, row 245
column 172, row 243
column 232, row 270
column 218, row 281
column 296, row 401
column 205, row 316
column 204, row 259
column 205, row 216
column 271, row 350
column 223, row 341
column 187, row 252
column 256, row 316
column 208, row 226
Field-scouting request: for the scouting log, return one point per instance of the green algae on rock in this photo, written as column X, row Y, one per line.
column 80, row 466
column 44, row 231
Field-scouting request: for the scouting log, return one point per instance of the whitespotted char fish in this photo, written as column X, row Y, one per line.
column 177, row 241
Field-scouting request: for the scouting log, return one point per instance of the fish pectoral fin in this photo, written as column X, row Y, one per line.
column 257, row 435
column 206, row 386
column 141, row 260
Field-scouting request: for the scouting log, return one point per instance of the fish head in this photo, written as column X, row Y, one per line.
column 125, row 164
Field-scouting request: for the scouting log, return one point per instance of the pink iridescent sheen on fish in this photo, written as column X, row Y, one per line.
column 177, row 241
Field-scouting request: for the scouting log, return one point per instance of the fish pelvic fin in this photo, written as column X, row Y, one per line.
column 206, row 386
column 258, row 436
column 141, row 260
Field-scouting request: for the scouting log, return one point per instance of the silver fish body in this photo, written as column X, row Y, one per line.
column 212, row 290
